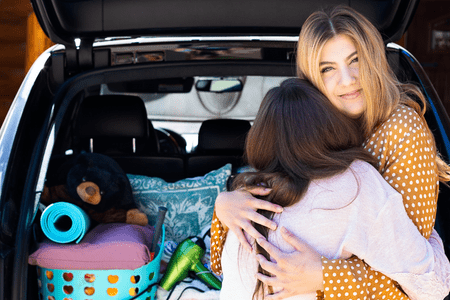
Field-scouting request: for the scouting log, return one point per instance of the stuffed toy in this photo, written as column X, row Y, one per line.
column 97, row 184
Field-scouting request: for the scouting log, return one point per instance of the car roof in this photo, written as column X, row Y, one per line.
column 66, row 20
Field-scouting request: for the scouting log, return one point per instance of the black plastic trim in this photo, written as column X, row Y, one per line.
column 65, row 20
column 24, row 228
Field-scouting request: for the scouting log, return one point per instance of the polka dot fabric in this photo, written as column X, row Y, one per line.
column 406, row 159
column 369, row 284
column 218, row 236
column 406, row 154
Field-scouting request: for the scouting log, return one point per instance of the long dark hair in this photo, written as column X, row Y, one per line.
column 297, row 136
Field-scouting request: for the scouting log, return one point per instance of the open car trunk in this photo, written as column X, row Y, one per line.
column 158, row 50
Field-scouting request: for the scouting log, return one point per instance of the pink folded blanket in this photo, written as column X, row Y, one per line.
column 106, row 247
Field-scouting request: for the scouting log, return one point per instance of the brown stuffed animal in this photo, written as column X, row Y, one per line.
column 98, row 185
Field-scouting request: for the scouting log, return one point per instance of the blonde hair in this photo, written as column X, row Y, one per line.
column 383, row 92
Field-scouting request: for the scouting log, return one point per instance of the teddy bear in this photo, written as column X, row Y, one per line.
column 97, row 184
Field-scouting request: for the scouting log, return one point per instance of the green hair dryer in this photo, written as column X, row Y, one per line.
column 187, row 257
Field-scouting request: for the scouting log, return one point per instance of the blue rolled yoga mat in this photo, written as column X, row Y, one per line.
column 64, row 222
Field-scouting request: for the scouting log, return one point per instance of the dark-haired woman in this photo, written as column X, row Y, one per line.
column 333, row 197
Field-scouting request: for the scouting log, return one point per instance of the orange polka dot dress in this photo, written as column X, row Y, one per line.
column 406, row 159
column 406, row 154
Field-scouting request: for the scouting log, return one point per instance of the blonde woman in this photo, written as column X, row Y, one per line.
column 343, row 55
column 306, row 161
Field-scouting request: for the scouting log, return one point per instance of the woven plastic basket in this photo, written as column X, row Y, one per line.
column 101, row 284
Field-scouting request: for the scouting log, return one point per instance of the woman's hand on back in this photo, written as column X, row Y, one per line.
column 297, row 272
column 237, row 209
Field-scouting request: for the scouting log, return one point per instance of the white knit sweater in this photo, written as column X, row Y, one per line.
column 356, row 212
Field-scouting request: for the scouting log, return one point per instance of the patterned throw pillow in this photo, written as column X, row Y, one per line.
column 189, row 202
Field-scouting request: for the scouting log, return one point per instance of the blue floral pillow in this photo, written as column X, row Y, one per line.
column 189, row 202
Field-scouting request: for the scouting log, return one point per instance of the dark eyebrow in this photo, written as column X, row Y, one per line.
column 354, row 53
column 329, row 63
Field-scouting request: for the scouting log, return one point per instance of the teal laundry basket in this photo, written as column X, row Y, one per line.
column 119, row 284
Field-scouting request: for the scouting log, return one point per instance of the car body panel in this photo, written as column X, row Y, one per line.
column 213, row 39
column 65, row 20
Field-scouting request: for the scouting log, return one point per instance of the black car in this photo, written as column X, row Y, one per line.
column 177, row 63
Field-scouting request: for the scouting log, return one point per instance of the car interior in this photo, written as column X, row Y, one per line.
column 109, row 112
column 118, row 123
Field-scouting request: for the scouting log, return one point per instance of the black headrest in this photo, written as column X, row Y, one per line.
column 112, row 116
column 223, row 134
